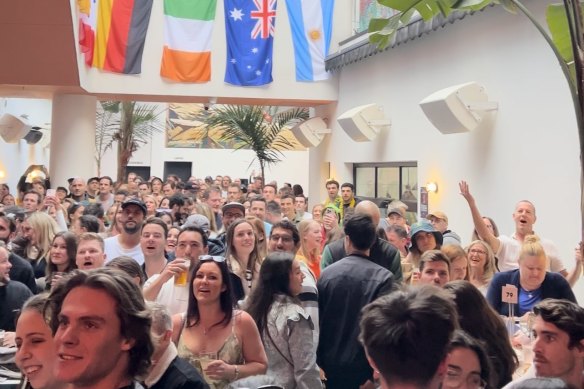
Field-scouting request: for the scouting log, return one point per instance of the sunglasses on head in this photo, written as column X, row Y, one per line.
column 214, row 258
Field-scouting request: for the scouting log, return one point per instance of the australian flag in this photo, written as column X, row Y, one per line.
column 250, row 28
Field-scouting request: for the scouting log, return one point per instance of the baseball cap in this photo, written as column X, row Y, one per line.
column 397, row 210
column 198, row 220
column 136, row 202
column 438, row 215
column 233, row 204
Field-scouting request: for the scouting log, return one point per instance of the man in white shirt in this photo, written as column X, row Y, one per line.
column 162, row 288
column 507, row 248
column 127, row 243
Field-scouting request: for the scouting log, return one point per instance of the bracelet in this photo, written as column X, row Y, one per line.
column 236, row 376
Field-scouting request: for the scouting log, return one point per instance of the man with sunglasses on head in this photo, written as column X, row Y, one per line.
column 167, row 288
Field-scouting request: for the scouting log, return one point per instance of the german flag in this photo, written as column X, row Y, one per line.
column 120, row 32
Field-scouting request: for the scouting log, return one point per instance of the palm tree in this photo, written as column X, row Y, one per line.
column 255, row 127
column 130, row 125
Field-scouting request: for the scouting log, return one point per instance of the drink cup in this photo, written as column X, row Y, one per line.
column 182, row 278
column 204, row 360
column 416, row 274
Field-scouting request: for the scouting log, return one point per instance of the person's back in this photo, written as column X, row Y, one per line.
column 344, row 288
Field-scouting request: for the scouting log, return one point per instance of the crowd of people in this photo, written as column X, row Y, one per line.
column 211, row 283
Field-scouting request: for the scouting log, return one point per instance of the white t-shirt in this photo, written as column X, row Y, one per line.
column 175, row 298
column 510, row 248
column 113, row 249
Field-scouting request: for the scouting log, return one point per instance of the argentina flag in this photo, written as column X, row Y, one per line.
column 311, row 23
column 249, row 28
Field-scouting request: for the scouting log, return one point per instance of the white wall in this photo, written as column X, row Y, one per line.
column 285, row 86
column 235, row 163
column 530, row 151
column 16, row 157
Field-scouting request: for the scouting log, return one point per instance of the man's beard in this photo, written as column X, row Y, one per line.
column 131, row 230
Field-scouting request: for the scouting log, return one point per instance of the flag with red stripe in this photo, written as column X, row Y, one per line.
column 120, row 33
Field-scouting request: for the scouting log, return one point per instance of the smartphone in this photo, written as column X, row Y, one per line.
column 51, row 192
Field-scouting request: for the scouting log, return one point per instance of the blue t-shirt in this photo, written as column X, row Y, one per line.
column 527, row 300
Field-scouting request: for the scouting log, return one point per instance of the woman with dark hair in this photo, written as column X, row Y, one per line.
column 285, row 328
column 156, row 185
column 478, row 319
column 424, row 237
column 74, row 212
column 35, row 349
column 243, row 258
column 61, row 257
column 129, row 266
column 222, row 343
column 491, row 226
column 468, row 364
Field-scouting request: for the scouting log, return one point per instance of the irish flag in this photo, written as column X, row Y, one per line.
column 120, row 33
column 188, row 26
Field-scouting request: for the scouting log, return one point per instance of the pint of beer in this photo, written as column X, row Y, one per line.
column 182, row 278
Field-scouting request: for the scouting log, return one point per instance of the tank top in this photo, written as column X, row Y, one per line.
column 229, row 352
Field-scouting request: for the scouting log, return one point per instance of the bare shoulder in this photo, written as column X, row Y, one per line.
column 244, row 322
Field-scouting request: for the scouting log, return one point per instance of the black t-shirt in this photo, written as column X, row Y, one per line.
column 12, row 298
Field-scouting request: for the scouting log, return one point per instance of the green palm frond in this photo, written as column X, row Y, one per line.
column 247, row 126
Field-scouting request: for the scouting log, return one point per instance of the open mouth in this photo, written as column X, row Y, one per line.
column 87, row 264
column 29, row 370
column 67, row 357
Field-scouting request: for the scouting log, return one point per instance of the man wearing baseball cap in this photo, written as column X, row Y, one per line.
column 128, row 241
column 231, row 212
column 440, row 222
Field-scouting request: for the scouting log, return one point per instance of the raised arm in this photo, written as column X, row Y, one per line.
column 477, row 219
column 574, row 274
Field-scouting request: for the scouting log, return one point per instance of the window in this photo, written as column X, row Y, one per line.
column 384, row 182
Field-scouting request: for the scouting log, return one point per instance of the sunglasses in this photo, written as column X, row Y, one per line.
column 214, row 258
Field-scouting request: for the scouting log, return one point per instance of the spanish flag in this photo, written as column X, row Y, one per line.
column 120, row 32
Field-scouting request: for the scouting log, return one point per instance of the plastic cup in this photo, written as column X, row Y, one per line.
column 181, row 279
column 204, row 360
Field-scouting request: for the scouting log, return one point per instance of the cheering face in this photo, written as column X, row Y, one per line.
column 90, row 255
column 35, row 350
column 90, row 346
column 208, row 283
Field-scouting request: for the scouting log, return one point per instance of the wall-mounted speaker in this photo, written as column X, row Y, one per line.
column 13, row 129
column 363, row 123
column 459, row 108
column 33, row 136
column 310, row 132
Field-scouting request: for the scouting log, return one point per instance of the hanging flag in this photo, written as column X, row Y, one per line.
column 87, row 20
column 188, row 26
column 311, row 22
column 250, row 40
column 120, row 35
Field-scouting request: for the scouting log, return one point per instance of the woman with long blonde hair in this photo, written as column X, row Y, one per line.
column 481, row 260
column 38, row 231
column 310, row 245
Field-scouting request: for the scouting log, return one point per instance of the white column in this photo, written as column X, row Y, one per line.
column 72, row 138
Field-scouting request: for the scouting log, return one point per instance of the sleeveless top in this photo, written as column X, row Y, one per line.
column 230, row 352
